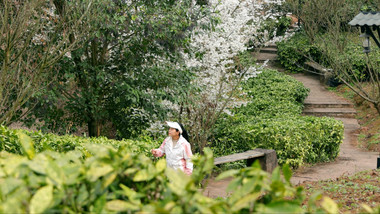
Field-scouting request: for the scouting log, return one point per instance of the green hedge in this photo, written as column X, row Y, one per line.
column 272, row 120
column 273, row 94
column 10, row 142
column 116, row 180
column 296, row 139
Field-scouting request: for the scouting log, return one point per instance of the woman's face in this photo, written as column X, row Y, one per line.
column 173, row 132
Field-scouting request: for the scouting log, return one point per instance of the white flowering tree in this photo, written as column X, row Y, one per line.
column 218, row 65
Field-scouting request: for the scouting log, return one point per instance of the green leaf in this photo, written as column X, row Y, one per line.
column 109, row 179
column 97, row 170
column 100, row 204
column 234, row 184
column 280, row 207
column 132, row 195
column 141, row 175
column 82, row 195
column 245, row 201
column 10, row 184
column 209, row 164
column 39, row 164
column 276, row 174
column 178, row 181
column 130, row 171
column 329, row 205
column 55, row 173
column 71, row 171
column 287, row 172
column 26, row 145
column 41, row 200
column 161, row 165
column 120, row 206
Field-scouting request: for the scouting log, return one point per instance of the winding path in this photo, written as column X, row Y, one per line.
column 350, row 159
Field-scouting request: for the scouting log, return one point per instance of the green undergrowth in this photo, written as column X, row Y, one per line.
column 92, row 175
column 117, row 180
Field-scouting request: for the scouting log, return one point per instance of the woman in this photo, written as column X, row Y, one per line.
column 177, row 149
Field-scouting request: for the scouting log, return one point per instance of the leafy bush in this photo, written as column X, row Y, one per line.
column 293, row 53
column 295, row 139
column 116, row 180
column 10, row 142
column 273, row 94
column 272, row 120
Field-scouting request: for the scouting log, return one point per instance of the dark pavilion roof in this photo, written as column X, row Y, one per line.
column 366, row 19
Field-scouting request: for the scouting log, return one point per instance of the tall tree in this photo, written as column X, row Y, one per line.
column 32, row 40
column 128, row 65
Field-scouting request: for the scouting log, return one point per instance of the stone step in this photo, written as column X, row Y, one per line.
column 274, row 46
column 328, row 105
column 331, row 112
column 262, row 57
column 268, row 50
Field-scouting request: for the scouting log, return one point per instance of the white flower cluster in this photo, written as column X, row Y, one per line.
column 239, row 22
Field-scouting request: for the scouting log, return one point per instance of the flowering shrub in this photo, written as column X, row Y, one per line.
column 217, row 42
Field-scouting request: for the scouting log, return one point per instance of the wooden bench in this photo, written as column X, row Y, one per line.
column 266, row 157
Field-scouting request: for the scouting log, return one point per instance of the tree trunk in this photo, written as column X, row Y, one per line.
column 93, row 128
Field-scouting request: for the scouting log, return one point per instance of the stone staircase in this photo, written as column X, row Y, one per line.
column 339, row 109
column 266, row 53
column 320, row 102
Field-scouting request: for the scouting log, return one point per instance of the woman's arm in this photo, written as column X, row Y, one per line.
column 160, row 151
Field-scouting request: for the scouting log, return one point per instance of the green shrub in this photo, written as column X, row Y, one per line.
column 293, row 53
column 10, row 142
column 118, row 181
column 272, row 120
column 295, row 139
column 273, row 94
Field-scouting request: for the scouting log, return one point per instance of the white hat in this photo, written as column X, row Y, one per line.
column 174, row 125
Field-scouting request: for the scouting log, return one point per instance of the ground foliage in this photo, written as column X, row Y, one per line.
column 368, row 135
column 350, row 192
column 102, row 178
column 272, row 120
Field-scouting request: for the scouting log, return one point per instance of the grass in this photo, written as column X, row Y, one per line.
column 350, row 191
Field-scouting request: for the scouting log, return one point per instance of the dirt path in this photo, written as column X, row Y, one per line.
column 350, row 159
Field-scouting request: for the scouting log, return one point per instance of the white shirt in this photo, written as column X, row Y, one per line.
column 177, row 157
